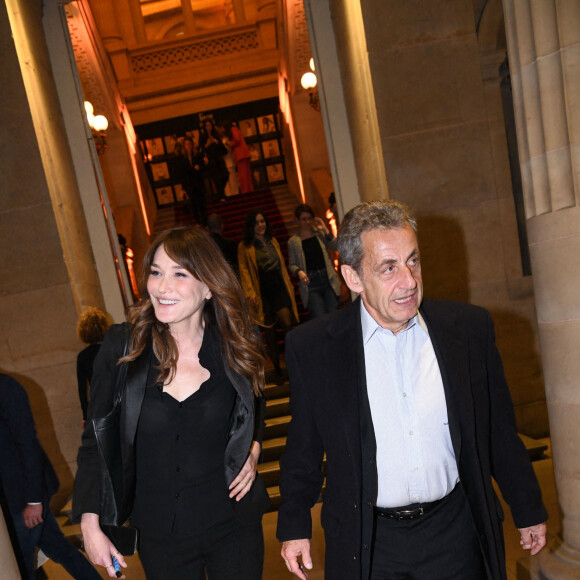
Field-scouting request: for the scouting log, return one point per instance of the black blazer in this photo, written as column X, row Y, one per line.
column 247, row 426
column 25, row 471
column 331, row 414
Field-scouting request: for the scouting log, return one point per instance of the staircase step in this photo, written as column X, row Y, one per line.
column 274, row 390
column 272, row 449
column 277, row 407
column 276, row 427
column 275, row 498
column 269, row 472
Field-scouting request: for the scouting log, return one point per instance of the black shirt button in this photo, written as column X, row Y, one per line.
column 180, row 405
column 365, row 546
column 177, row 497
column 178, row 469
column 355, row 506
column 177, row 437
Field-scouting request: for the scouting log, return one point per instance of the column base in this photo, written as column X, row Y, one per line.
column 557, row 562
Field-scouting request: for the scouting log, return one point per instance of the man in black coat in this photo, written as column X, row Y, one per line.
column 408, row 401
column 28, row 482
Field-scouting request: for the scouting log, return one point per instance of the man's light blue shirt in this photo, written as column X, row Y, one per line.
column 415, row 458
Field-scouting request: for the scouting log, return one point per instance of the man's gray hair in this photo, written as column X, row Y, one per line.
column 385, row 214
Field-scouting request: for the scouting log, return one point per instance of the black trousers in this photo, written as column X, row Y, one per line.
column 440, row 545
column 227, row 551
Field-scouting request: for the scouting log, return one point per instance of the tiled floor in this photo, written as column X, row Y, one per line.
column 274, row 568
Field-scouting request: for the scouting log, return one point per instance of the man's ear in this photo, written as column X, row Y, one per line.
column 351, row 278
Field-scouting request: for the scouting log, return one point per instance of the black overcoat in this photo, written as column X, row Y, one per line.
column 331, row 415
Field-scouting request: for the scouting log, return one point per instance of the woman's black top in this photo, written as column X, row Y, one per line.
column 313, row 254
column 180, row 446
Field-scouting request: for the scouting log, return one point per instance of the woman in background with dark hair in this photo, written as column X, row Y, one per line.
column 266, row 281
column 310, row 263
column 192, row 412
column 91, row 329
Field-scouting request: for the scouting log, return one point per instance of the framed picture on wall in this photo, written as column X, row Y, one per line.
column 275, row 172
column 266, row 124
column 255, row 151
column 271, row 148
column 154, row 147
column 164, row 195
column 160, row 171
column 170, row 142
column 259, row 177
column 248, row 127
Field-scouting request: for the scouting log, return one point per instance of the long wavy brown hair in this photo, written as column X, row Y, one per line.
column 241, row 345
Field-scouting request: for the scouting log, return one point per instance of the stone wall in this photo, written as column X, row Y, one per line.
column 445, row 154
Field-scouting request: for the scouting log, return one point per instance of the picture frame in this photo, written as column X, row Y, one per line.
column 164, row 195
column 255, row 151
column 170, row 142
column 275, row 172
column 154, row 148
column 160, row 171
column 266, row 124
column 271, row 148
column 248, row 127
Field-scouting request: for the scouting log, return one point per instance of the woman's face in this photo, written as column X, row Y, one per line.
column 260, row 225
column 305, row 220
column 188, row 145
column 208, row 127
column 178, row 297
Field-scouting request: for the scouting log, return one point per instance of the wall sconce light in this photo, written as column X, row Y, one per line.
column 99, row 126
column 309, row 82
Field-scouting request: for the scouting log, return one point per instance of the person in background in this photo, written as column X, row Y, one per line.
column 216, row 171
column 28, row 482
column 408, row 400
column 228, row 247
column 91, row 329
column 309, row 262
column 190, row 168
column 242, row 156
column 266, row 282
column 194, row 420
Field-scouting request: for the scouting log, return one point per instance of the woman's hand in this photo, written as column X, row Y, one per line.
column 320, row 226
column 245, row 479
column 303, row 277
column 98, row 547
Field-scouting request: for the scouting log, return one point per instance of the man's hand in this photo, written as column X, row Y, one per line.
column 291, row 551
column 533, row 538
column 32, row 515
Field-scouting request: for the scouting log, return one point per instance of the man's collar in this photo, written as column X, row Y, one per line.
column 370, row 325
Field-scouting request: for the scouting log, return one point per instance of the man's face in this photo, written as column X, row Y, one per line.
column 390, row 281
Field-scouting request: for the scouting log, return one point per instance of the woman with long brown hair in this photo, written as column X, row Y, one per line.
column 191, row 424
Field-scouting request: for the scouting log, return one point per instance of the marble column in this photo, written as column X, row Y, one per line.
column 544, row 52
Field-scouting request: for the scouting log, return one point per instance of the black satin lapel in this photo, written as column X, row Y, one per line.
column 139, row 375
column 452, row 352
